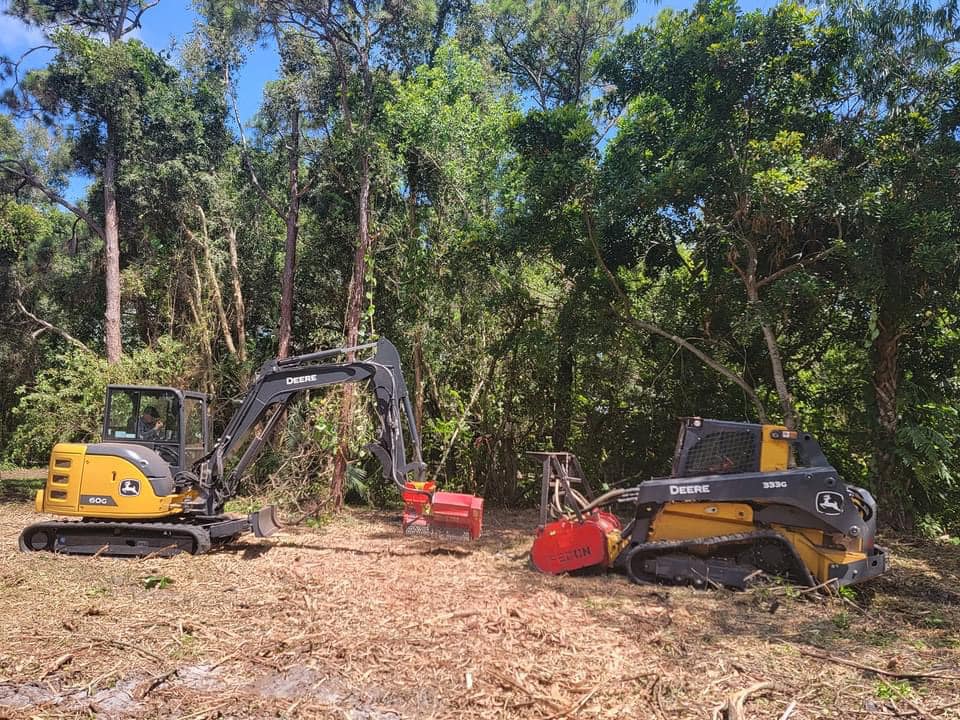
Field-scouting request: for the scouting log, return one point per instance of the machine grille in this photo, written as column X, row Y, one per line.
column 722, row 453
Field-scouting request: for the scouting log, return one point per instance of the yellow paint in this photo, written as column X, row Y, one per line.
column 73, row 473
column 61, row 495
column 774, row 454
column 681, row 521
column 809, row 544
column 615, row 545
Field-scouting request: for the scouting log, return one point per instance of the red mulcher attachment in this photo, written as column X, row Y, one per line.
column 574, row 533
column 570, row 544
column 450, row 515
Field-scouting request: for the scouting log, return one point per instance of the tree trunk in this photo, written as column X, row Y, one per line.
column 563, row 386
column 418, row 383
column 892, row 489
column 355, row 296
column 293, row 229
column 195, row 301
column 215, row 286
column 239, row 310
column 749, row 277
column 111, row 232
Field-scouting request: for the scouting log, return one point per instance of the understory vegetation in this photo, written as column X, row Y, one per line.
column 575, row 233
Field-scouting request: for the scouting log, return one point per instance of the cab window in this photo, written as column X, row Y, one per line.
column 193, row 429
column 122, row 408
column 143, row 416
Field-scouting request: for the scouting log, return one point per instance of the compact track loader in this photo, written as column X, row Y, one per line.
column 158, row 485
column 743, row 501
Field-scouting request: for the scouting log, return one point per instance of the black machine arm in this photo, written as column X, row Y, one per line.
column 277, row 384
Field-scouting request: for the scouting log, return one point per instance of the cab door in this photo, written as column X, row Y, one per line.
column 194, row 430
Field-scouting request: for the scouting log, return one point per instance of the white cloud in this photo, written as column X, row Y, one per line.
column 16, row 37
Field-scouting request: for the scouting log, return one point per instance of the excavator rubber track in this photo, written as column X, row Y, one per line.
column 730, row 560
column 123, row 539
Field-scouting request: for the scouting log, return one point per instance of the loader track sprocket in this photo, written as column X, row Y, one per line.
column 730, row 560
column 81, row 537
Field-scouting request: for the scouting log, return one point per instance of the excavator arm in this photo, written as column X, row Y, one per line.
column 279, row 382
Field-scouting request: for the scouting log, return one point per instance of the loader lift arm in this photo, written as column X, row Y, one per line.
column 279, row 382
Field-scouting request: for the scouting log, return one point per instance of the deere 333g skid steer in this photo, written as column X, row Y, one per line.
column 743, row 501
column 158, row 485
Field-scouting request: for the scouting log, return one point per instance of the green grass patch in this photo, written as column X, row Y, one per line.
column 893, row 690
column 157, row 582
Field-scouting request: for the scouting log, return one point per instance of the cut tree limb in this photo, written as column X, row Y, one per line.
column 732, row 708
column 876, row 670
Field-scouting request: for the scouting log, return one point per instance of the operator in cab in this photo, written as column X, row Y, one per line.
column 149, row 425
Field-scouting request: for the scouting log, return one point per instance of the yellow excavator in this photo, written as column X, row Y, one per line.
column 157, row 484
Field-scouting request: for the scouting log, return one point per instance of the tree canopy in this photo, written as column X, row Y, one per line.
column 574, row 232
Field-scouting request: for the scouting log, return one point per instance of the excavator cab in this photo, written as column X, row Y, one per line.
column 172, row 422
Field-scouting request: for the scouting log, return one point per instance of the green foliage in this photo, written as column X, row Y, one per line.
column 157, row 582
column 64, row 403
column 510, row 146
column 893, row 690
column 847, row 592
column 842, row 620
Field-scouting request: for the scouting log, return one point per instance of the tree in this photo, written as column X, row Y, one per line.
column 94, row 82
column 550, row 49
column 899, row 129
column 725, row 146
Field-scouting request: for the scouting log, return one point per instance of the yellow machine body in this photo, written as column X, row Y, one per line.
column 691, row 520
column 688, row 521
column 102, row 486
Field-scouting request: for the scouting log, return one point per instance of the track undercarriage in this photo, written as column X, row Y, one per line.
column 193, row 535
column 729, row 560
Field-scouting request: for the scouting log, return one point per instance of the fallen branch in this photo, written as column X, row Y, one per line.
column 149, row 685
column 441, row 618
column 135, row 648
column 510, row 682
column 789, row 711
column 732, row 708
column 581, row 702
column 876, row 670
column 56, row 665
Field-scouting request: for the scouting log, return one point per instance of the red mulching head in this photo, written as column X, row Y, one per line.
column 449, row 515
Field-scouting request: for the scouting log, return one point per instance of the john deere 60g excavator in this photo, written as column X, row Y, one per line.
column 157, row 485
column 743, row 501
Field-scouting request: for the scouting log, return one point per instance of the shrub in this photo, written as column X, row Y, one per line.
column 65, row 401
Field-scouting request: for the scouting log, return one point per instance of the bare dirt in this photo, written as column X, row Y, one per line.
column 355, row 621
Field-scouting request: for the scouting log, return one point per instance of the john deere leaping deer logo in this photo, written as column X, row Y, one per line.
column 130, row 488
column 829, row 503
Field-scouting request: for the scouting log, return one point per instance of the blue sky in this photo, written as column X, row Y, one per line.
column 166, row 26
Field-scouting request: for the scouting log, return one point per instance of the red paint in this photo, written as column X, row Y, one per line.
column 565, row 545
column 442, row 513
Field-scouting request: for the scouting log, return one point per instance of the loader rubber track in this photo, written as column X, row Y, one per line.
column 84, row 537
column 713, row 563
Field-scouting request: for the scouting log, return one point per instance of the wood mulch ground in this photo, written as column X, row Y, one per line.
column 356, row 621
